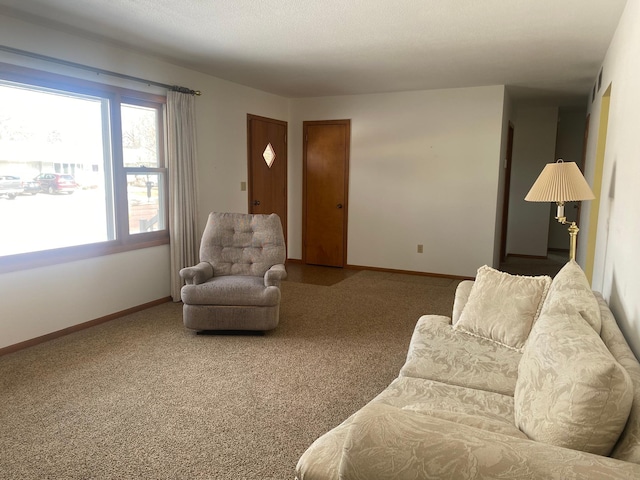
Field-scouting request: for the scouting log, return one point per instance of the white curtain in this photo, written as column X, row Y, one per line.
column 183, row 195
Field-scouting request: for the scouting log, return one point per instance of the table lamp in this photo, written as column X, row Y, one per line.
column 561, row 182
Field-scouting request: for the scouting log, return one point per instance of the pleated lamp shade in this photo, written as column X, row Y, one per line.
column 560, row 182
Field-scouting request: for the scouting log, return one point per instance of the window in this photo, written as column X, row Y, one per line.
column 143, row 168
column 91, row 168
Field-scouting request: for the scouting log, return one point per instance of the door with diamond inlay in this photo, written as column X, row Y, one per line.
column 267, row 167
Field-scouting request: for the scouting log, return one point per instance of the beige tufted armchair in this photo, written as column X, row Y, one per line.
column 236, row 285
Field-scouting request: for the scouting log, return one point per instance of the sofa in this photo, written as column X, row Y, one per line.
column 530, row 378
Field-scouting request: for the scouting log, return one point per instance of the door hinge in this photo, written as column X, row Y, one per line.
column 285, row 138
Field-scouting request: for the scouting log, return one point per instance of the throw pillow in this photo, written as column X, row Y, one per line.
column 571, row 287
column 571, row 392
column 503, row 307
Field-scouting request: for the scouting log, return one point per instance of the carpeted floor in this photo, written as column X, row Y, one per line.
column 141, row 397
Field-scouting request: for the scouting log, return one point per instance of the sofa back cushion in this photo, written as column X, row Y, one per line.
column 503, row 307
column 571, row 287
column 440, row 353
column 571, row 392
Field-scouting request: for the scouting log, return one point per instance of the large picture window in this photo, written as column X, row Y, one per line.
column 82, row 169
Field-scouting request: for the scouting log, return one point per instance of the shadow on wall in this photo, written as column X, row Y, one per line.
column 630, row 326
column 611, row 195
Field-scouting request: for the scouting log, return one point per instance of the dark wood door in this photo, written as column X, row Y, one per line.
column 325, row 172
column 267, row 168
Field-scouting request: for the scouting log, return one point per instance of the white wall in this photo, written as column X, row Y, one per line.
column 534, row 143
column 222, row 142
column 424, row 169
column 39, row 301
column 44, row 300
column 617, row 255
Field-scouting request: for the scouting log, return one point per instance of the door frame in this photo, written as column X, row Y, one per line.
column 286, row 162
column 345, row 219
column 506, row 193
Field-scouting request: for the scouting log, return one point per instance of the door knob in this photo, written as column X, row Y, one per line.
column 339, row 205
column 256, row 202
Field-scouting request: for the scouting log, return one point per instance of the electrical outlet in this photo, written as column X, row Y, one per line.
column 420, row 248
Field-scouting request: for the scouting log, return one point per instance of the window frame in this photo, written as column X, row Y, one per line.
column 124, row 241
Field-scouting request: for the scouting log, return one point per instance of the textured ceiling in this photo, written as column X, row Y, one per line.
column 300, row 48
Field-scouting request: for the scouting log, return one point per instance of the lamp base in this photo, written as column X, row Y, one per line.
column 573, row 236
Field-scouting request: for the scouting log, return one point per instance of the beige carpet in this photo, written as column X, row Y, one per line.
column 141, row 397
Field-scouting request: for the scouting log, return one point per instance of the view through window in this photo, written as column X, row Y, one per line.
column 66, row 181
column 142, row 161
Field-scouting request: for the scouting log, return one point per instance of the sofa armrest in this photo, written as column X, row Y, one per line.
column 385, row 443
column 275, row 275
column 462, row 295
column 198, row 274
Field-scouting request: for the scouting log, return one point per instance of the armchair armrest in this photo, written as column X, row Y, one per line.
column 198, row 274
column 275, row 275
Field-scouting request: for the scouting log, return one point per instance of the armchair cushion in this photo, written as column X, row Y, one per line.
column 232, row 290
column 239, row 244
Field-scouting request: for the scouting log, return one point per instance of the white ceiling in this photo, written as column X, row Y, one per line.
column 299, row 48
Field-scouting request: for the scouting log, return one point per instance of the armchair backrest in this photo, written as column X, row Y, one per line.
column 242, row 244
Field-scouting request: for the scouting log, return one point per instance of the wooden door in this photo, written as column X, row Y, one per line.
column 325, row 192
column 267, row 167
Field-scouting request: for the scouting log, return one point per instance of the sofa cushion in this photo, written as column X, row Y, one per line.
column 386, row 443
column 571, row 392
column 503, row 307
column 488, row 411
column 439, row 352
column 570, row 286
column 460, row 299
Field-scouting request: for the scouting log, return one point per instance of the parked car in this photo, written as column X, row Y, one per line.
column 30, row 187
column 10, row 186
column 56, row 183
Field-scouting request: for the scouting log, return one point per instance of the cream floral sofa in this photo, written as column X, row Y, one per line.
column 530, row 379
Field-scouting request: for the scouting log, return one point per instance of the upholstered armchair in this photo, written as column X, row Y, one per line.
column 236, row 285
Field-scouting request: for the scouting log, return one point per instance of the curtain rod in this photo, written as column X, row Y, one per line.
column 67, row 63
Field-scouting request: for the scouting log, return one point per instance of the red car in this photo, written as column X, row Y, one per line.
column 56, row 183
